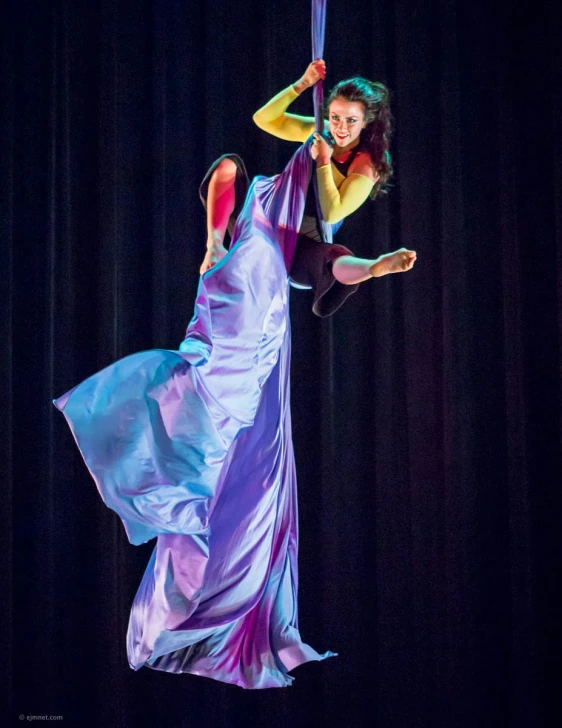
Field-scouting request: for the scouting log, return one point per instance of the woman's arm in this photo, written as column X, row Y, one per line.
column 273, row 117
column 339, row 203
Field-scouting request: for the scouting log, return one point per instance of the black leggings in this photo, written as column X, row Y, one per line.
column 312, row 263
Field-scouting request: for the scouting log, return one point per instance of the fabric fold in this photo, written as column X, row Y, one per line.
column 194, row 447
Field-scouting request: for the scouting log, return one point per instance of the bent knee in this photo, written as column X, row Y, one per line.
column 226, row 169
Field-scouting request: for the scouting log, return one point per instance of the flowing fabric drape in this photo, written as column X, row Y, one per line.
column 194, row 447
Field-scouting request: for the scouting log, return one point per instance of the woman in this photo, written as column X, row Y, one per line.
column 355, row 167
column 194, row 447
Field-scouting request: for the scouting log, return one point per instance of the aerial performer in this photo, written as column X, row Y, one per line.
column 193, row 447
column 354, row 167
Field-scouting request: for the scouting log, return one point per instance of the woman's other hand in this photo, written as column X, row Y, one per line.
column 320, row 150
column 315, row 72
column 215, row 253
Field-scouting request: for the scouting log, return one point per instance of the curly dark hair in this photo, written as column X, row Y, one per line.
column 375, row 137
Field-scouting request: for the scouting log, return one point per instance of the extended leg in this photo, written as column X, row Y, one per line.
column 221, row 198
column 349, row 270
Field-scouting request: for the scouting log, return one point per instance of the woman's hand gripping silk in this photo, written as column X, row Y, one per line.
column 320, row 150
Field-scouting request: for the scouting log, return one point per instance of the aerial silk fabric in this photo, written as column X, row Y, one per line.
column 193, row 447
column 318, row 28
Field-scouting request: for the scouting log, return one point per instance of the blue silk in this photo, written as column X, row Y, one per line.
column 194, row 447
column 318, row 28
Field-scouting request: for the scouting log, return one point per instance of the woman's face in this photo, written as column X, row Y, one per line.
column 346, row 119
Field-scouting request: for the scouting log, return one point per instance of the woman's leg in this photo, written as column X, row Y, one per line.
column 221, row 199
column 349, row 270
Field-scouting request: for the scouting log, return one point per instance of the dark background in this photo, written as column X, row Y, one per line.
column 426, row 413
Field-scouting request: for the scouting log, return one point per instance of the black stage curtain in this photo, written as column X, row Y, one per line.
column 426, row 412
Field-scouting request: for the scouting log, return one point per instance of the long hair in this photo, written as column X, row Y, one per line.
column 375, row 137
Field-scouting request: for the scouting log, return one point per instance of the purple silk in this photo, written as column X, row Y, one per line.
column 318, row 27
column 194, row 447
column 318, row 32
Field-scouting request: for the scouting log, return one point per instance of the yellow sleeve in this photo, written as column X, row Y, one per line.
column 339, row 203
column 273, row 119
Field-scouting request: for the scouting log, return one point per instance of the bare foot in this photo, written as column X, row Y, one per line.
column 398, row 262
column 215, row 254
